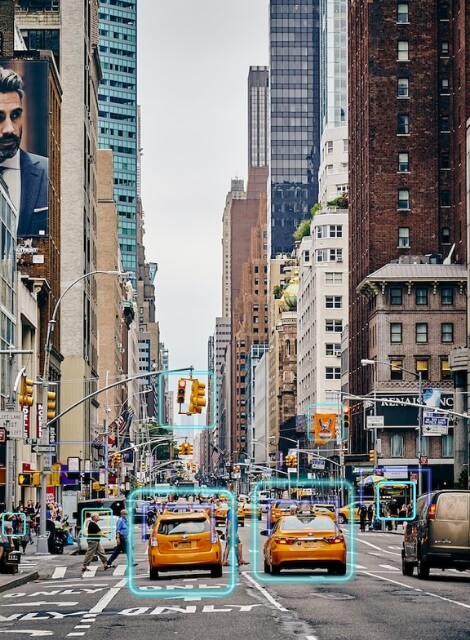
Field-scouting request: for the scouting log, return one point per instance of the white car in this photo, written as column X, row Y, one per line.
column 107, row 524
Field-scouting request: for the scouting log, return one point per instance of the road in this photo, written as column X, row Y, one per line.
column 376, row 603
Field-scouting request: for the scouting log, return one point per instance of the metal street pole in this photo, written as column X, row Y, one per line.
column 420, row 427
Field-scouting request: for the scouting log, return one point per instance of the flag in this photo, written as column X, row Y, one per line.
column 324, row 428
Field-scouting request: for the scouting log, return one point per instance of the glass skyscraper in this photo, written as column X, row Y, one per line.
column 118, row 120
column 295, row 121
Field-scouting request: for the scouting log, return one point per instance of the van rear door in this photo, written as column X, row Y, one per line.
column 451, row 523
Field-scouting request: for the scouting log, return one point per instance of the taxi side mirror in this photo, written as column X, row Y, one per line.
column 264, row 532
column 146, row 536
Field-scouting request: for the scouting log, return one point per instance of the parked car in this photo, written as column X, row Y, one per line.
column 439, row 535
column 350, row 511
column 305, row 542
column 182, row 541
column 107, row 524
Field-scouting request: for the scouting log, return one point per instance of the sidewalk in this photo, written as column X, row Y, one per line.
column 41, row 567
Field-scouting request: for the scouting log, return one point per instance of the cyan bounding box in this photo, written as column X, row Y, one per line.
column 105, row 513
column 399, row 484
column 5, row 518
column 337, row 486
column 186, row 373
column 155, row 591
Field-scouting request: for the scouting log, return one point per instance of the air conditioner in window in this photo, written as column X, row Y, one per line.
column 339, row 259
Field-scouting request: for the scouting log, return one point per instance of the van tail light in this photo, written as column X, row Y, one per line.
column 285, row 540
column 334, row 539
column 432, row 512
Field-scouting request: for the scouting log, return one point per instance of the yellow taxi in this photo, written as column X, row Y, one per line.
column 323, row 509
column 221, row 514
column 305, row 542
column 182, row 541
column 280, row 508
column 248, row 510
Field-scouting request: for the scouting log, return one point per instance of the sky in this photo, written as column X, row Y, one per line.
column 193, row 63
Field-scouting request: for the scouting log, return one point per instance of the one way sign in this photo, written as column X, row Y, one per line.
column 43, row 448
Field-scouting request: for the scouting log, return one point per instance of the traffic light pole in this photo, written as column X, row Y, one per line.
column 45, row 466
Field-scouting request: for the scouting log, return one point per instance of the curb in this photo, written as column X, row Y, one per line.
column 16, row 582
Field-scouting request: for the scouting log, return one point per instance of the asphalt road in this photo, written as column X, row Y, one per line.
column 377, row 602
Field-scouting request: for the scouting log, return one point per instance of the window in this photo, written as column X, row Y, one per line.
column 421, row 295
column 421, row 332
column 424, row 450
column 396, row 445
column 422, row 366
column 402, row 50
column 332, row 277
column 403, row 120
column 447, row 295
column 396, row 295
column 402, row 12
column 333, row 325
column 446, row 373
column 402, row 87
column 403, row 199
column 403, row 237
column 396, row 369
column 332, row 349
column 445, row 235
column 329, row 255
column 444, row 11
column 333, row 373
column 396, row 332
column 447, row 332
column 329, row 146
column 445, row 160
column 445, row 198
column 444, row 85
column 444, row 48
column 403, row 162
column 334, row 302
column 444, row 124
column 447, row 446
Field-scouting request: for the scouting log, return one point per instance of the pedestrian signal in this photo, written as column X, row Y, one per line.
column 24, row 479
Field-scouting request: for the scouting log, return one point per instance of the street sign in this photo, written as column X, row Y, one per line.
column 31, row 440
column 435, row 419
column 317, row 464
column 43, row 448
column 375, row 422
column 435, row 431
column 13, row 422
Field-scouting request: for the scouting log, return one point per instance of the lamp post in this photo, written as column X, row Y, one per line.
column 419, row 376
column 42, row 547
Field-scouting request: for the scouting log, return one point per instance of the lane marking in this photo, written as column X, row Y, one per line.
column 106, row 599
column 389, row 566
column 120, row 570
column 265, row 593
column 426, row 593
column 374, row 546
column 359, row 566
column 59, row 572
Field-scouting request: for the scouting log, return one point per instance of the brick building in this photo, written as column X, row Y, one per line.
column 408, row 105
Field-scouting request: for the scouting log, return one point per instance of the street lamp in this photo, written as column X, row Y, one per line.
column 418, row 375
column 42, row 547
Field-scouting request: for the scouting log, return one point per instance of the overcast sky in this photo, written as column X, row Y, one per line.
column 193, row 62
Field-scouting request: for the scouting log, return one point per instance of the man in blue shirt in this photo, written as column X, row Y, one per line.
column 122, row 534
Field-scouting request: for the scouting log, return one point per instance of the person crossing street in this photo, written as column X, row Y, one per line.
column 122, row 536
column 95, row 548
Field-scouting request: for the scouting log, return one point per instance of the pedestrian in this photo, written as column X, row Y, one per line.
column 122, row 535
column 239, row 547
column 370, row 516
column 95, row 548
column 362, row 512
column 393, row 510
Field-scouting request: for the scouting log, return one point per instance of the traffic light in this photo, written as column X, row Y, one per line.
column 197, row 399
column 193, row 467
column 190, row 449
column 51, row 400
column 24, row 479
column 371, row 455
column 291, row 460
column 346, row 418
column 181, row 391
column 184, row 448
column 25, row 397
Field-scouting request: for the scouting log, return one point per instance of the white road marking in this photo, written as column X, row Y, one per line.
column 389, row 566
column 120, row 570
column 359, row 566
column 378, row 548
column 312, row 637
column 265, row 593
column 106, row 599
column 59, row 572
column 426, row 593
column 80, row 633
column 40, row 603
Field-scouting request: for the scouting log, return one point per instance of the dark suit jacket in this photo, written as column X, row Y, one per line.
column 34, row 210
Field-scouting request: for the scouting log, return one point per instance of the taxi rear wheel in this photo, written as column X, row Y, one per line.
column 342, row 518
column 153, row 574
column 267, row 568
column 216, row 572
column 275, row 569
